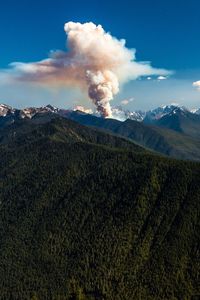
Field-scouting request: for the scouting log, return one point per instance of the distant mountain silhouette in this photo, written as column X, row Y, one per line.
column 170, row 130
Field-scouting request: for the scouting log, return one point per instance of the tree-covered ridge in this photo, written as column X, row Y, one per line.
column 86, row 215
column 162, row 137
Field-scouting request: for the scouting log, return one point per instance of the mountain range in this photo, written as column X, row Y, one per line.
column 170, row 130
column 85, row 214
column 119, row 113
column 149, row 116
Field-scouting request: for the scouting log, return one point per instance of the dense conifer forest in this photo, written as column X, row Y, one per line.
column 86, row 215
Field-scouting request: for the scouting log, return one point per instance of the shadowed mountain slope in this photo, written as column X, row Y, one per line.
column 162, row 140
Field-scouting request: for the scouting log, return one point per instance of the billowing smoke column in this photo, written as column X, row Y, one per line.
column 95, row 61
column 101, row 88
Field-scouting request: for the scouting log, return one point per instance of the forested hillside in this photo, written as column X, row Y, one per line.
column 159, row 137
column 87, row 215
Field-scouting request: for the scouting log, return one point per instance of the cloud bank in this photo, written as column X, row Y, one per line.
column 94, row 61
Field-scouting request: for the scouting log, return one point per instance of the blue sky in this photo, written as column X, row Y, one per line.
column 163, row 32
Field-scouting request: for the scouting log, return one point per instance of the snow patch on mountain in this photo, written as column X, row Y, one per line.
column 118, row 112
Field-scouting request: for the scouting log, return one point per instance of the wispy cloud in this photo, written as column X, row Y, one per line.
column 127, row 101
column 161, row 78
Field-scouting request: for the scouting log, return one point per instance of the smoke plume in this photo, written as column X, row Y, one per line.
column 94, row 60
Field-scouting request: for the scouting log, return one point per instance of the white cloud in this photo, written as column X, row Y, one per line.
column 161, row 78
column 127, row 101
column 124, row 102
column 196, row 84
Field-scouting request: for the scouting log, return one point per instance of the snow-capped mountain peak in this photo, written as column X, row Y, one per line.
column 121, row 114
column 28, row 112
column 161, row 111
column 118, row 112
column 195, row 111
column 5, row 109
